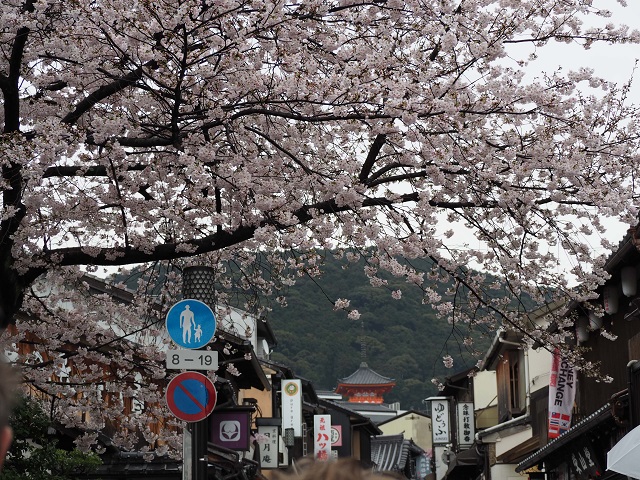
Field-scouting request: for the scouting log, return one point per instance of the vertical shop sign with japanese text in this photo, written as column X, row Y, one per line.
column 440, row 420
column 268, row 444
column 322, row 437
column 466, row 424
column 583, row 460
column 292, row 406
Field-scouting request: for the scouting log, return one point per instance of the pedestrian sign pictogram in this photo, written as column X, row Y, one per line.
column 191, row 396
column 191, row 323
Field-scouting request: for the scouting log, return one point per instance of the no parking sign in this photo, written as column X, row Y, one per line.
column 191, row 396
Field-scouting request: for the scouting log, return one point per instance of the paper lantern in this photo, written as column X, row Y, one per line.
column 582, row 332
column 629, row 280
column 595, row 322
column 610, row 299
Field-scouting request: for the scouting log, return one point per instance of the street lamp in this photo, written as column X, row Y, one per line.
column 289, row 441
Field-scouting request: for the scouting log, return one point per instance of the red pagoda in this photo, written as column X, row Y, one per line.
column 365, row 386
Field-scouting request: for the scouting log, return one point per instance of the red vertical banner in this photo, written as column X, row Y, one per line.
column 562, row 394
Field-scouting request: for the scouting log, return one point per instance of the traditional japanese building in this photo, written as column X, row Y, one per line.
column 365, row 386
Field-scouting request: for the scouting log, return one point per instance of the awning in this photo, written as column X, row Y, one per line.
column 599, row 417
column 623, row 457
column 133, row 466
column 465, row 464
column 225, row 463
column 243, row 357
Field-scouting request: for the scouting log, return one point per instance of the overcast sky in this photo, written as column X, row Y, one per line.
column 613, row 62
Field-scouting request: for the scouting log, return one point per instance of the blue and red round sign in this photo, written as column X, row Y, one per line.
column 191, row 396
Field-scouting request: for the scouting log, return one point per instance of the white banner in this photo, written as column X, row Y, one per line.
column 466, row 424
column 292, row 406
column 440, row 420
column 322, row 437
column 268, row 444
column 562, row 394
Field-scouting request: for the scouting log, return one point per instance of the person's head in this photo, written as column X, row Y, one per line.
column 341, row 469
column 7, row 391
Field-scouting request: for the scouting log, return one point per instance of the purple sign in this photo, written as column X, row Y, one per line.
column 231, row 428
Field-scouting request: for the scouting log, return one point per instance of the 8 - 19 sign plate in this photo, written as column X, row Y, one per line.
column 192, row 360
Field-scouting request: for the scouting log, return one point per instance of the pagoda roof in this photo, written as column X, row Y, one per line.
column 365, row 376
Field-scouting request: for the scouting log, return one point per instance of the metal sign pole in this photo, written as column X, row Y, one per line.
column 187, row 469
column 199, row 283
column 199, row 434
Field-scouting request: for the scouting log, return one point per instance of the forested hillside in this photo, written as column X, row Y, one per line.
column 403, row 339
column 399, row 338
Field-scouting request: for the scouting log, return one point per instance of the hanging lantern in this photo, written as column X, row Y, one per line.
column 582, row 332
column 595, row 322
column 610, row 299
column 629, row 280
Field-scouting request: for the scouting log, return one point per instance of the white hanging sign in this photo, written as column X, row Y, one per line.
column 268, row 436
column 466, row 424
column 322, row 437
column 440, row 420
column 292, row 406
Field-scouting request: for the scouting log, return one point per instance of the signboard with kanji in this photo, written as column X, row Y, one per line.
column 322, row 437
column 583, row 460
column 466, row 424
column 268, row 444
column 423, row 465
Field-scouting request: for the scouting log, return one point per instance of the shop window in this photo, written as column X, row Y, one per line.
column 511, row 385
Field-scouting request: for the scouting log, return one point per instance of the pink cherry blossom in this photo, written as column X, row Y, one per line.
column 253, row 136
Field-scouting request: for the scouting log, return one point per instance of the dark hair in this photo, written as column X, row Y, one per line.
column 341, row 469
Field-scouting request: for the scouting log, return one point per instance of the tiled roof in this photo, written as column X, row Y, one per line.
column 369, row 407
column 406, row 414
column 365, row 376
column 390, row 453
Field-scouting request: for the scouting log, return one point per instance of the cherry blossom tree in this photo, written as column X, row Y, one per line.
column 223, row 132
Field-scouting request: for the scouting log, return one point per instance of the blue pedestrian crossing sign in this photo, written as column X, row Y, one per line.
column 190, row 323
